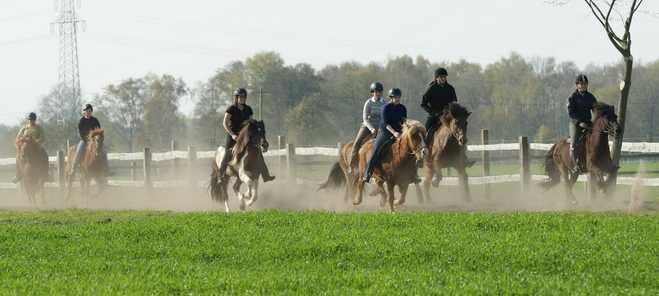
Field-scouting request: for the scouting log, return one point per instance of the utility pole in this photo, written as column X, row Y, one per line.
column 261, row 92
column 69, row 78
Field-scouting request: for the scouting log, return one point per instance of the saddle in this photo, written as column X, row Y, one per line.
column 385, row 147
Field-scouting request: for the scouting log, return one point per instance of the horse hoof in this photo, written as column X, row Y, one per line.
column 435, row 183
column 356, row 202
column 467, row 198
column 398, row 202
column 242, row 205
column 383, row 202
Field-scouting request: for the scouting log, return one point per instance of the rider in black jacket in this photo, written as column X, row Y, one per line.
column 578, row 105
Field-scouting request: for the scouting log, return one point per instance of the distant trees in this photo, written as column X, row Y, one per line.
column 515, row 96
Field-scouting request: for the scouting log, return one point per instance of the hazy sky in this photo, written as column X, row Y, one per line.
column 191, row 39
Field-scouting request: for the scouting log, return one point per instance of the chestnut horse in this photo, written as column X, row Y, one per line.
column 598, row 157
column 245, row 165
column 30, row 164
column 396, row 166
column 446, row 149
column 91, row 167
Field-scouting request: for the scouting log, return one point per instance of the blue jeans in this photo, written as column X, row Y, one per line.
column 383, row 136
column 81, row 148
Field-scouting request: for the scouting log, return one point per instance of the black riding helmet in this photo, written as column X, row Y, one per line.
column 581, row 78
column 441, row 72
column 376, row 86
column 32, row 116
column 395, row 92
column 87, row 106
column 239, row 91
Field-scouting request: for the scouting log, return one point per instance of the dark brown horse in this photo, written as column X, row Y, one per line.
column 598, row 158
column 447, row 149
column 30, row 164
column 91, row 167
column 339, row 176
column 245, row 165
column 396, row 167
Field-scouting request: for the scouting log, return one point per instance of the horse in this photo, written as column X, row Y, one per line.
column 91, row 167
column 30, row 164
column 447, row 150
column 396, row 166
column 245, row 165
column 558, row 163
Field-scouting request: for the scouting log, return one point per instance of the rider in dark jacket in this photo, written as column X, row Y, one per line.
column 578, row 105
column 86, row 124
column 438, row 95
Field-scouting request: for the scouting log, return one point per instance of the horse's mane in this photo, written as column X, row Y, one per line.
column 411, row 127
column 452, row 111
column 244, row 136
column 31, row 139
column 94, row 132
column 602, row 109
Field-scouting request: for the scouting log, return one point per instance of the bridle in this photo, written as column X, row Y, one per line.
column 415, row 149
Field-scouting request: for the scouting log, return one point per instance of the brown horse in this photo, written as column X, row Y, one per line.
column 447, row 150
column 396, row 167
column 30, row 164
column 245, row 165
column 91, row 167
column 598, row 158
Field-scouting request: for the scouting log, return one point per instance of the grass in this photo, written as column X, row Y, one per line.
column 320, row 253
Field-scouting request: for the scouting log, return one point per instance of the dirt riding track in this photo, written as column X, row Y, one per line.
column 280, row 195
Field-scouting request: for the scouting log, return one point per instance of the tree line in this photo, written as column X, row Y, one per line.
column 514, row 96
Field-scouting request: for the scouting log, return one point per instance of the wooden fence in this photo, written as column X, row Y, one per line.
column 189, row 163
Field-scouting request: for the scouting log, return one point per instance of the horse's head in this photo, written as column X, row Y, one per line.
column 606, row 119
column 27, row 144
column 253, row 131
column 95, row 139
column 454, row 117
column 414, row 135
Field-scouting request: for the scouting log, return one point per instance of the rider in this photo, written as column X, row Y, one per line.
column 438, row 95
column 391, row 125
column 33, row 128
column 579, row 104
column 236, row 114
column 86, row 124
column 371, row 119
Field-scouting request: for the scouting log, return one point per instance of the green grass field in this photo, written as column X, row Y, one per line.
column 73, row 251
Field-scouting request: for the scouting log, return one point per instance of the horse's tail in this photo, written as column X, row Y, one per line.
column 335, row 180
column 550, row 169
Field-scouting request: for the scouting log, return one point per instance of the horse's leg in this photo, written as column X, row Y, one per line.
column 42, row 192
column 570, row 179
column 463, row 179
column 236, row 190
column 360, row 189
column 419, row 193
column 383, row 194
column 390, row 196
column 102, row 181
column 253, row 192
column 402, row 192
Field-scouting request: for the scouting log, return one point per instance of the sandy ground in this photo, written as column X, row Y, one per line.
column 280, row 195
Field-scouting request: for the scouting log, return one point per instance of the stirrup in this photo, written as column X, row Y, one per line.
column 367, row 178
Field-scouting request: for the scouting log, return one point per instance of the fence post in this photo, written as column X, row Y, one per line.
column 175, row 173
column 133, row 170
column 281, row 144
column 591, row 187
column 147, row 170
column 525, row 166
column 485, row 140
column 290, row 163
column 61, row 166
column 192, row 158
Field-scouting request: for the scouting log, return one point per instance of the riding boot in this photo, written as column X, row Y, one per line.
column 575, row 158
column 265, row 173
column 415, row 178
column 223, row 165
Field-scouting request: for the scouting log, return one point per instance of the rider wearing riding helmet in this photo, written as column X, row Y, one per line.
column 370, row 120
column 438, row 96
column 391, row 125
column 236, row 114
column 86, row 124
column 579, row 105
column 33, row 128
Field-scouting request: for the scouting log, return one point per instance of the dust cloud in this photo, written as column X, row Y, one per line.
column 302, row 197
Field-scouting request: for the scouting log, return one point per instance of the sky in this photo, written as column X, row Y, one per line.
column 191, row 39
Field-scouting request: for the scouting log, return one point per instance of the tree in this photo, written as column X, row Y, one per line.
column 59, row 118
column 306, row 125
column 123, row 107
column 162, row 121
